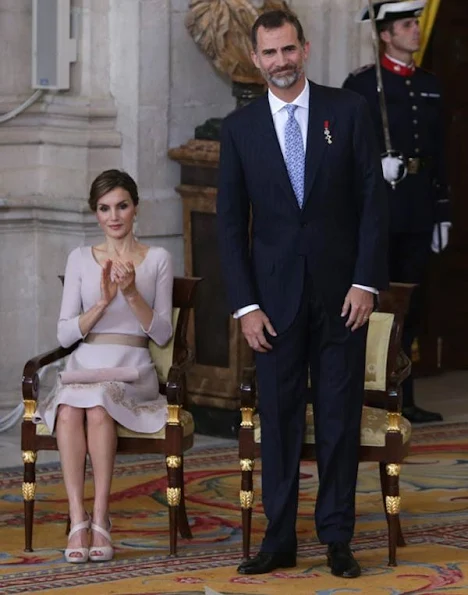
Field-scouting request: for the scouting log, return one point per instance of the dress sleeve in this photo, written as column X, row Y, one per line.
column 160, row 330
column 68, row 328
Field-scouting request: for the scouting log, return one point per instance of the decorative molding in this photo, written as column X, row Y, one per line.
column 203, row 153
column 60, row 215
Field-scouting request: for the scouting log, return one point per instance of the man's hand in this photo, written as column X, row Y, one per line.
column 252, row 325
column 359, row 303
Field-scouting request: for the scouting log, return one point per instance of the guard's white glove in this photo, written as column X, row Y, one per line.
column 437, row 246
column 391, row 167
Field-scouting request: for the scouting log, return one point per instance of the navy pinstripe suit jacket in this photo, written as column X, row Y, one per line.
column 267, row 243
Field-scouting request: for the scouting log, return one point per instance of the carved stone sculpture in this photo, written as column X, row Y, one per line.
column 221, row 29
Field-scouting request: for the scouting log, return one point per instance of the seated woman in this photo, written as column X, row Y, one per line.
column 116, row 297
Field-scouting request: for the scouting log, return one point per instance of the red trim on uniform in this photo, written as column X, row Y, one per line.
column 396, row 68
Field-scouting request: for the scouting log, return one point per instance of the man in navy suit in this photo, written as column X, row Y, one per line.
column 302, row 217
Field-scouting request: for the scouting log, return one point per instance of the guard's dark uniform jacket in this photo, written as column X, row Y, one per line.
column 413, row 100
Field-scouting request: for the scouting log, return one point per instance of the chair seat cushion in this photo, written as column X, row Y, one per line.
column 373, row 427
column 186, row 421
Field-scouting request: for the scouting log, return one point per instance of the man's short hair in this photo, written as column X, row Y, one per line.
column 386, row 26
column 274, row 19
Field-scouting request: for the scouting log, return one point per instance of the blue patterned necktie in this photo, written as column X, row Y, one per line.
column 294, row 154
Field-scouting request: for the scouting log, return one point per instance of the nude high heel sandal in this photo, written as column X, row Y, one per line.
column 77, row 555
column 101, row 553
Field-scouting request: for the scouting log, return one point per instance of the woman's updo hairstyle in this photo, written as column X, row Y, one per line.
column 108, row 181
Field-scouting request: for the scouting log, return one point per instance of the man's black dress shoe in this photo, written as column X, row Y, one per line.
column 341, row 560
column 264, row 562
column 416, row 415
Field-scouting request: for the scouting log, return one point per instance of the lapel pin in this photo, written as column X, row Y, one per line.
column 326, row 132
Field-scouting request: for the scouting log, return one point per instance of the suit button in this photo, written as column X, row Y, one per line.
column 304, row 225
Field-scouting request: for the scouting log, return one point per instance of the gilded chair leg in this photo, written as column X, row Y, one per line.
column 392, row 506
column 173, row 511
column 400, row 538
column 174, row 494
column 184, row 527
column 29, row 493
column 246, row 502
column 384, row 488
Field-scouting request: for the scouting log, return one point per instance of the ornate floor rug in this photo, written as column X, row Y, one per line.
column 434, row 487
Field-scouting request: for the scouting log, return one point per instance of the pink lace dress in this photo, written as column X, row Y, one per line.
column 136, row 404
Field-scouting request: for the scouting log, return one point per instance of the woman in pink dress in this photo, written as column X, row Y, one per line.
column 116, row 297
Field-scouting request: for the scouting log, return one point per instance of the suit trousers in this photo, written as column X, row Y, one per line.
column 409, row 255
column 319, row 343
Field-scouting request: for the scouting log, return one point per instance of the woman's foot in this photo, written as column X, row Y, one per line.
column 101, row 549
column 77, row 551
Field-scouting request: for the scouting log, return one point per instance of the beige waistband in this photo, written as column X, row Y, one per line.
column 116, row 339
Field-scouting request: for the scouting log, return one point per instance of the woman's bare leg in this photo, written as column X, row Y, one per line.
column 102, row 445
column 71, row 441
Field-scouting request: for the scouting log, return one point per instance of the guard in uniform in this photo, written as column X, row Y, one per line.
column 419, row 206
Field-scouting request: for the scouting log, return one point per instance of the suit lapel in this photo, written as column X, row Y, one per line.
column 319, row 113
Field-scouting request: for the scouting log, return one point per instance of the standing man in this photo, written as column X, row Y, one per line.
column 419, row 207
column 302, row 217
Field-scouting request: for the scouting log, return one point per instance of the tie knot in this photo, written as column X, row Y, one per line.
column 290, row 108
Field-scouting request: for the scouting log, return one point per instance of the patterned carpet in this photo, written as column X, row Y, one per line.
column 434, row 487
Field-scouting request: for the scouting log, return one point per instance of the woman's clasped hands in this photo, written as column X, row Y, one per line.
column 117, row 275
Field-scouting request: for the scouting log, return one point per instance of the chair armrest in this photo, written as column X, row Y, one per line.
column 175, row 385
column 403, row 368
column 30, row 380
column 248, row 388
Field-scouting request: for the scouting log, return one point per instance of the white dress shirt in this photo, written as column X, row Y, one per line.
column 280, row 117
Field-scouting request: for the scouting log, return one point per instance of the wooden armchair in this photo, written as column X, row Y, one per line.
column 173, row 440
column 385, row 433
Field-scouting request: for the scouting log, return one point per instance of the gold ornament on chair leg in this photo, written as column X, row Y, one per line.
column 173, row 496
column 247, row 417
column 393, row 422
column 247, row 464
column 29, row 491
column 393, row 469
column 173, row 462
column 173, row 415
column 29, row 409
column 392, row 504
column 29, row 456
column 246, row 498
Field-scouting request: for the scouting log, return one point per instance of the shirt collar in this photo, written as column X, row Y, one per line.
column 302, row 100
column 399, row 62
column 396, row 66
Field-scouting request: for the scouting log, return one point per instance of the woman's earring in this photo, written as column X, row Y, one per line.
column 135, row 227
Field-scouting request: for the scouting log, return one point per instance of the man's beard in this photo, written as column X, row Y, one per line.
column 286, row 80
